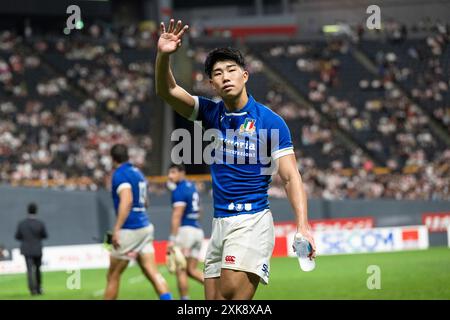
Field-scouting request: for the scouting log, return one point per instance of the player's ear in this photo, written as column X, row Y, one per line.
column 245, row 75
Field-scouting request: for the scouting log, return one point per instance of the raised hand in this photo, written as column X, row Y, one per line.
column 170, row 40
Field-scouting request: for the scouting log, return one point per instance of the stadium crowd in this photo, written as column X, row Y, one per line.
column 401, row 121
column 48, row 133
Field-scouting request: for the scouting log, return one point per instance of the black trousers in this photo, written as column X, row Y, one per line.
column 34, row 273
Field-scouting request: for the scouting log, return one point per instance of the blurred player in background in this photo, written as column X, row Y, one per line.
column 186, row 232
column 132, row 236
column 242, row 239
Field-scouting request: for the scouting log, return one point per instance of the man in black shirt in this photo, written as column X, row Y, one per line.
column 31, row 232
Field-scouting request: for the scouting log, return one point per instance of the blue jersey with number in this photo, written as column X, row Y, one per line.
column 128, row 176
column 245, row 144
column 186, row 194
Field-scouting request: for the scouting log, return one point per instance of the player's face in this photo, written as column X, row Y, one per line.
column 174, row 175
column 228, row 78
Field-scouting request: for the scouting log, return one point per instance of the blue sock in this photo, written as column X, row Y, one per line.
column 166, row 296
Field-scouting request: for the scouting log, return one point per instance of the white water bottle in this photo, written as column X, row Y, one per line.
column 303, row 249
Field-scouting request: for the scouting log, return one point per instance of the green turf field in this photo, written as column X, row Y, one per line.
column 404, row 275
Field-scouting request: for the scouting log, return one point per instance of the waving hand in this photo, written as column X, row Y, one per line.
column 170, row 39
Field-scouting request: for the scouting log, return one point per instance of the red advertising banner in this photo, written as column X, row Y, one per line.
column 436, row 221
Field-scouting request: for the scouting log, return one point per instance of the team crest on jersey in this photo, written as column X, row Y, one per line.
column 248, row 126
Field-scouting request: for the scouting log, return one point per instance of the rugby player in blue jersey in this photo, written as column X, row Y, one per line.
column 242, row 238
column 186, row 232
column 132, row 236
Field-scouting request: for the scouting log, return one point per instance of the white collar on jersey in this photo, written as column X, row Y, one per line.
column 235, row 113
column 249, row 104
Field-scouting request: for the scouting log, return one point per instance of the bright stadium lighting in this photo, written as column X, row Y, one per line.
column 79, row 25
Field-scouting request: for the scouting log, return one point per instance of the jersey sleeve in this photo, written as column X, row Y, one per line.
column 280, row 138
column 205, row 110
column 120, row 182
column 178, row 198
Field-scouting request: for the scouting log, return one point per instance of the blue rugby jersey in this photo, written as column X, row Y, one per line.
column 186, row 194
column 128, row 176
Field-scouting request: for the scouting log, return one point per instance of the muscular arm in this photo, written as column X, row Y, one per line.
column 296, row 194
column 166, row 86
column 177, row 214
column 125, row 205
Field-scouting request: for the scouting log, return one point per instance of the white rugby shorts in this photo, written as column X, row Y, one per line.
column 133, row 242
column 189, row 239
column 244, row 242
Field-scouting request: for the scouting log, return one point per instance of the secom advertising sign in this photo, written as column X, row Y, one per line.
column 369, row 240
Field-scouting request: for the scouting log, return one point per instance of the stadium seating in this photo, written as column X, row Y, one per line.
column 48, row 130
column 65, row 101
column 360, row 102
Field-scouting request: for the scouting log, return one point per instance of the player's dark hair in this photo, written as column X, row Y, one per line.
column 222, row 54
column 179, row 167
column 119, row 153
column 32, row 208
